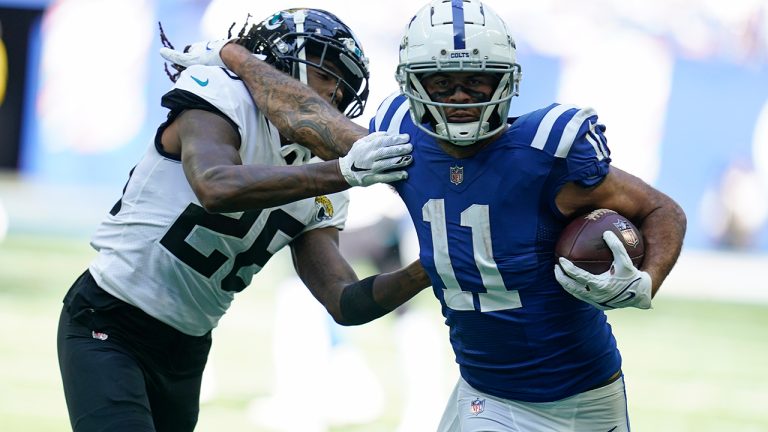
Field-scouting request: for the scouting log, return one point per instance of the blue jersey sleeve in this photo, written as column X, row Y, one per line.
column 587, row 156
column 575, row 138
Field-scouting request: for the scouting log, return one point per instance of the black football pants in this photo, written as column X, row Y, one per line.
column 124, row 370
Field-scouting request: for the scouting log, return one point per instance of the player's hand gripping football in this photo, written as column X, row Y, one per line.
column 376, row 158
column 622, row 286
column 199, row 53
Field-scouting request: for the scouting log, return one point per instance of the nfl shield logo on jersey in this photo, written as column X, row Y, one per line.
column 477, row 406
column 457, row 174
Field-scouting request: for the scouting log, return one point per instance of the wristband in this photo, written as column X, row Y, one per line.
column 357, row 304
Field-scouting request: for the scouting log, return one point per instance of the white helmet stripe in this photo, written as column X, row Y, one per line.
column 298, row 18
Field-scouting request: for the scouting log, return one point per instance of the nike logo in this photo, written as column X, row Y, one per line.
column 202, row 83
column 356, row 169
column 207, row 48
column 612, row 429
column 630, row 295
column 404, row 159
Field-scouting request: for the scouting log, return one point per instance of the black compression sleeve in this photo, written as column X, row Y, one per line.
column 357, row 304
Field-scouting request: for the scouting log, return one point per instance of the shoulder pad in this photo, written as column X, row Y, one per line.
column 555, row 128
column 392, row 115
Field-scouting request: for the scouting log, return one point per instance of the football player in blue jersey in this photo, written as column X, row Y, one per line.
column 489, row 195
column 218, row 192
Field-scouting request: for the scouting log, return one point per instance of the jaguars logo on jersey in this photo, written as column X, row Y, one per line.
column 323, row 208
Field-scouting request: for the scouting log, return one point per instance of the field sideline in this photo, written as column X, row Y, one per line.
column 690, row 365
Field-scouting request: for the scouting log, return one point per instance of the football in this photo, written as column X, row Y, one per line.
column 582, row 242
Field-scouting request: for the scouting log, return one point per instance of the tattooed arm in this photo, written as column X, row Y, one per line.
column 208, row 145
column 298, row 112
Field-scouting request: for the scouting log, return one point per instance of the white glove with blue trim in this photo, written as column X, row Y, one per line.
column 199, row 53
column 622, row 286
column 377, row 158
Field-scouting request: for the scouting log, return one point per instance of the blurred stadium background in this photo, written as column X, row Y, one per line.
column 681, row 84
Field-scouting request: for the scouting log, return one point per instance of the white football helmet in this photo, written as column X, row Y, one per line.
column 458, row 36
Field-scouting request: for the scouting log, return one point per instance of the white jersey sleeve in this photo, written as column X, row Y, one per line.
column 160, row 251
column 226, row 94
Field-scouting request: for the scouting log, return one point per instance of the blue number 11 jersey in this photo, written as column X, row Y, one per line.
column 487, row 226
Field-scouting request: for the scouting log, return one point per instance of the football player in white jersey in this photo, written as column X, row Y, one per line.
column 224, row 186
column 489, row 196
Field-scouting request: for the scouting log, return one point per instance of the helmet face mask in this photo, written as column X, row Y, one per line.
column 458, row 36
column 291, row 39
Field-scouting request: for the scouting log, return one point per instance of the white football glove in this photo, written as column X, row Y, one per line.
column 377, row 158
column 621, row 286
column 199, row 53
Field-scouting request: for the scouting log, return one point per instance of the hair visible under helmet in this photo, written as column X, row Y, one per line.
column 458, row 36
column 286, row 38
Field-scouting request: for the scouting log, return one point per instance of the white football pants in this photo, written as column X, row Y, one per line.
column 603, row 409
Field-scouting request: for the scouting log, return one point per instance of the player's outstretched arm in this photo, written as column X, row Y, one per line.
column 334, row 283
column 298, row 112
column 209, row 154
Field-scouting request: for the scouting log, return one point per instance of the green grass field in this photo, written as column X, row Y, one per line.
column 690, row 365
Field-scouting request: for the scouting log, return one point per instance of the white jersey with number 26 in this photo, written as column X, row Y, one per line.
column 159, row 250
